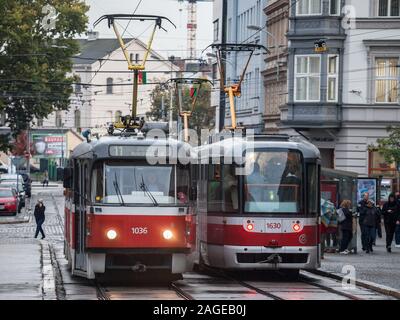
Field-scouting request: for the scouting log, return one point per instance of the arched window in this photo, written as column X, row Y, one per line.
column 118, row 115
column 77, row 119
column 110, row 83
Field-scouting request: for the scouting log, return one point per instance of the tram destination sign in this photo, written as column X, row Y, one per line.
column 138, row 151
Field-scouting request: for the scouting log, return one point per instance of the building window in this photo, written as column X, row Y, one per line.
column 389, row 8
column 120, row 82
column 216, row 30
column 377, row 166
column 118, row 115
column 333, row 77
column 386, row 80
column 334, row 7
column 307, row 78
column 78, row 88
column 77, row 119
column 110, row 83
column 58, row 119
column 309, row 7
column 40, row 122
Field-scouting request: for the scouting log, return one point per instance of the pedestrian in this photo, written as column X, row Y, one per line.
column 391, row 212
column 397, row 230
column 346, row 226
column 39, row 218
column 378, row 229
column 46, row 179
column 361, row 209
column 368, row 229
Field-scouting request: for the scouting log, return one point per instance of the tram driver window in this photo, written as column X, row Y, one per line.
column 274, row 183
column 97, row 183
column 214, row 188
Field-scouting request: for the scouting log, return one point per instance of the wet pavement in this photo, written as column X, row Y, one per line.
column 37, row 270
column 379, row 267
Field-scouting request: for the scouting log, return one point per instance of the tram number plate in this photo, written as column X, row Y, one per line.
column 274, row 226
column 140, row 230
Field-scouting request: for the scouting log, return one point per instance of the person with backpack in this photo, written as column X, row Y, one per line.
column 345, row 219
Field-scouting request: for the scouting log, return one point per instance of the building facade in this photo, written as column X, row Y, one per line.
column 343, row 99
column 242, row 20
column 104, row 92
column 275, row 72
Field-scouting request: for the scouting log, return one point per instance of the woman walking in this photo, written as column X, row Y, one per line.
column 39, row 217
column 391, row 212
column 346, row 226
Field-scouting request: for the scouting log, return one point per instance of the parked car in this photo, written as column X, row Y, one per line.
column 19, row 189
column 8, row 201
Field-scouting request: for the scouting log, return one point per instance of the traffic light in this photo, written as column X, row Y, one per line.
column 320, row 46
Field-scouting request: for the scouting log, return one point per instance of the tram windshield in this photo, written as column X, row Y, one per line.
column 274, row 183
column 136, row 184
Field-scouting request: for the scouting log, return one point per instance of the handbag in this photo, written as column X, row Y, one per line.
column 341, row 215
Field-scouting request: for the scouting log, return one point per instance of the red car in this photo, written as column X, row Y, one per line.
column 8, row 201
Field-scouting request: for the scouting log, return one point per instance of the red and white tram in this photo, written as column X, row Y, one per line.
column 124, row 213
column 266, row 218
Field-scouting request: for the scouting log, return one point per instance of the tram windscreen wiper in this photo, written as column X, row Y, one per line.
column 118, row 191
column 144, row 188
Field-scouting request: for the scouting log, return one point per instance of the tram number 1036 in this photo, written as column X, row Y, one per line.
column 140, row 230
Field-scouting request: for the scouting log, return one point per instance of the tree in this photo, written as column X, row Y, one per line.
column 202, row 116
column 390, row 147
column 36, row 46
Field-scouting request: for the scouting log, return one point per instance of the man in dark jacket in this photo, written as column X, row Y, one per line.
column 369, row 226
column 391, row 212
column 361, row 209
column 39, row 218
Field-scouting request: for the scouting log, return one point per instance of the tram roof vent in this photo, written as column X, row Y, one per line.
column 149, row 126
column 270, row 137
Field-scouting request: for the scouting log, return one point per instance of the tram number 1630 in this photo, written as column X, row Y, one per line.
column 139, row 230
column 274, row 225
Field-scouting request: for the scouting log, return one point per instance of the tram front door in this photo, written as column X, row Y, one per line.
column 80, row 220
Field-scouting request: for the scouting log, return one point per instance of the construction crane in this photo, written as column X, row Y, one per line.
column 192, row 26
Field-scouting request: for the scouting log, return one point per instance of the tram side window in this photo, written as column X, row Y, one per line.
column 230, row 187
column 214, row 188
column 182, row 184
column 76, row 182
column 312, row 185
column 97, row 183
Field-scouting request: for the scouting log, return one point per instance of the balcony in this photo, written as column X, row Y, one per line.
column 311, row 115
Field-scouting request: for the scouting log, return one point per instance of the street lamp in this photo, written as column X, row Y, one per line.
column 261, row 29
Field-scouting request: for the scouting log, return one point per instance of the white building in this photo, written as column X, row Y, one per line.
column 106, row 90
column 241, row 18
column 370, row 82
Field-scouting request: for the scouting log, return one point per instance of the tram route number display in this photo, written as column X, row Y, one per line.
column 140, row 230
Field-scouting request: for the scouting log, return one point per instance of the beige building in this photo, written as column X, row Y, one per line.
column 275, row 73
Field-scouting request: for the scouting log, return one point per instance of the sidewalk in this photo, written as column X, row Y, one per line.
column 379, row 267
column 26, row 271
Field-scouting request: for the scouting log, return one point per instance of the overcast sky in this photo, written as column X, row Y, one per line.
column 172, row 43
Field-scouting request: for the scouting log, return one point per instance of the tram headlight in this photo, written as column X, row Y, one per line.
column 111, row 234
column 296, row 227
column 250, row 227
column 167, row 234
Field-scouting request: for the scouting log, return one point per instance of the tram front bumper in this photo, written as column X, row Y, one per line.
column 263, row 258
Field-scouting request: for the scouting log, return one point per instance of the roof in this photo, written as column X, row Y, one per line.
column 96, row 49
